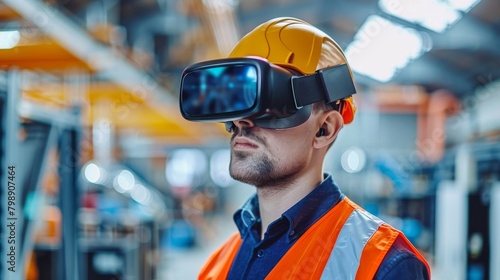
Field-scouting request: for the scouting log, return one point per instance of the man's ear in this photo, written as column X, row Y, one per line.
column 330, row 126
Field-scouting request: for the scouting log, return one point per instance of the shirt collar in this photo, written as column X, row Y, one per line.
column 248, row 215
column 300, row 216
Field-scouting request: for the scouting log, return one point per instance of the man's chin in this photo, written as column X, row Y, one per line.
column 243, row 173
column 250, row 168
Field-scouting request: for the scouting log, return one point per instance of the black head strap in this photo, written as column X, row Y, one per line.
column 328, row 85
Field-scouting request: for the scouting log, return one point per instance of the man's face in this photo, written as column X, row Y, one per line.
column 268, row 157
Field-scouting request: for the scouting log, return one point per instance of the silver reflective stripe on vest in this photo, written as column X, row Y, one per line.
column 346, row 254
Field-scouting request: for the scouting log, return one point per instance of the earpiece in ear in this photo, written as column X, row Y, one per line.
column 321, row 132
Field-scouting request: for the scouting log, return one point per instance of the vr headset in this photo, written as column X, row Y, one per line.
column 271, row 96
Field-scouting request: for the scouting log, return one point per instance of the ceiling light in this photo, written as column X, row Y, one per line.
column 141, row 194
column 435, row 15
column 9, row 39
column 380, row 48
column 124, row 181
column 463, row 5
column 92, row 173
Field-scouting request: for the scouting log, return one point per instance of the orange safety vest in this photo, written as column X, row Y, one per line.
column 346, row 243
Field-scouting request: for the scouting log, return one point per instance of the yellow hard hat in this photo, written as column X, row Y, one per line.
column 296, row 44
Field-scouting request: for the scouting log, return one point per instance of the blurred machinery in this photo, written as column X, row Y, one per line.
column 467, row 193
column 65, row 89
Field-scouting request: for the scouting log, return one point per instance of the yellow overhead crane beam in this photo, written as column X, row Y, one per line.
column 126, row 111
column 38, row 51
column 133, row 100
column 8, row 14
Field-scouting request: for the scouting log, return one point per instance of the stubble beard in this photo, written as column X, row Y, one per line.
column 258, row 168
column 260, row 171
column 250, row 169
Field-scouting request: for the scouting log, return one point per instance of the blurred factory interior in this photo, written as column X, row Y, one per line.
column 112, row 183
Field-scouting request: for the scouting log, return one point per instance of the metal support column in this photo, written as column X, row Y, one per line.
column 495, row 231
column 3, row 108
column 69, row 200
column 29, row 237
column 13, row 217
column 3, row 199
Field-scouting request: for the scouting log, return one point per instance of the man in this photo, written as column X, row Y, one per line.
column 299, row 225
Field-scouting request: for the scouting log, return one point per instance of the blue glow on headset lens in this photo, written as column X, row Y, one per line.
column 219, row 89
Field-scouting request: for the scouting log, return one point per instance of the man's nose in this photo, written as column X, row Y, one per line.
column 244, row 123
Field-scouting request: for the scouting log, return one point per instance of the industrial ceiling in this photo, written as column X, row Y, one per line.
column 462, row 58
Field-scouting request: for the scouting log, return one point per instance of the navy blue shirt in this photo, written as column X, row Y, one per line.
column 256, row 257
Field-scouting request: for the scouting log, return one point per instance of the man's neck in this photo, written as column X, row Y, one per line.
column 275, row 200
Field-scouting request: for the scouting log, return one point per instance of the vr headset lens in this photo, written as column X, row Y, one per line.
column 219, row 90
